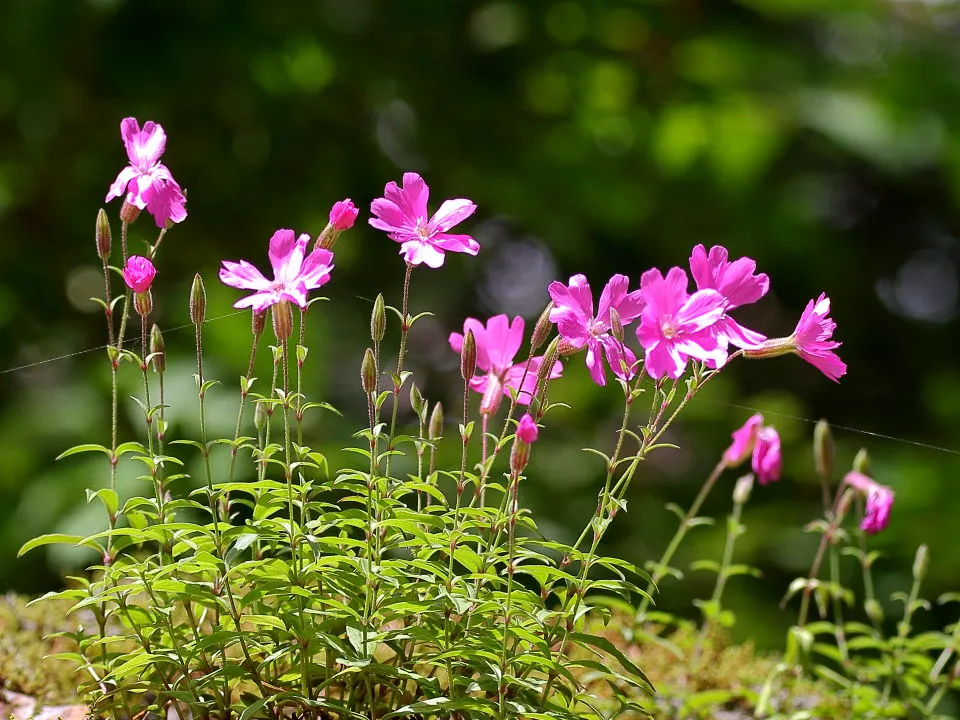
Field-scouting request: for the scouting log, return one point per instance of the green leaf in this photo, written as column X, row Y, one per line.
column 76, row 449
column 57, row 539
column 108, row 497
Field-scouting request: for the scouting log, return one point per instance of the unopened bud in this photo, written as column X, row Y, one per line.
column 260, row 416
column 520, row 452
column 416, row 400
column 874, row 610
column 143, row 303
column 282, row 317
column 549, row 359
column 258, row 321
column 103, row 235
column 378, row 320
column 129, row 212
column 616, row 325
column 861, row 463
column 368, row 372
column 158, row 349
column 920, row 562
column 198, row 301
column 823, row 449
column 435, row 429
column 468, row 356
column 741, row 491
column 542, row 329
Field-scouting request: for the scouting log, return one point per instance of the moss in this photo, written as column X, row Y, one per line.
column 24, row 665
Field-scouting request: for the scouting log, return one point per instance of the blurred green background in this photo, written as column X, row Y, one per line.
column 596, row 136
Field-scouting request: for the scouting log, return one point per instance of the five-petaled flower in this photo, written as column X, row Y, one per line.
column 879, row 501
column 578, row 326
column 294, row 274
column 402, row 214
column 138, row 273
column 761, row 444
column 676, row 326
column 739, row 284
column 812, row 339
column 497, row 344
column 147, row 182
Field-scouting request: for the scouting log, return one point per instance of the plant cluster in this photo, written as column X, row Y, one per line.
column 396, row 586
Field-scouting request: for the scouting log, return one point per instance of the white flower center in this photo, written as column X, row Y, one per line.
column 668, row 327
column 596, row 328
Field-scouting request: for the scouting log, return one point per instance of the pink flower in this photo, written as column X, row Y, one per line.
column 737, row 283
column 497, row 344
column 760, row 443
column 812, row 339
column 147, row 182
column 879, row 501
column 139, row 273
column 527, row 429
column 578, row 325
column 293, row 274
column 766, row 462
column 743, row 441
column 676, row 326
column 343, row 214
column 402, row 214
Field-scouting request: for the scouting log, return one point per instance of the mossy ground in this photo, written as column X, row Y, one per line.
column 25, row 643
column 722, row 684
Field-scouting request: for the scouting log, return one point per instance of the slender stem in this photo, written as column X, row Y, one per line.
column 660, row 569
column 511, row 528
column 398, row 381
column 734, row 530
column 840, row 508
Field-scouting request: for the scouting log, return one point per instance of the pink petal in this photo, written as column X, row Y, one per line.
column 456, row 243
column 316, row 268
column 417, row 252
column 701, row 310
column 258, row 301
column 119, row 186
column 482, row 343
column 615, row 295
column 389, row 217
column 283, row 245
column 242, row 275
column 451, row 213
column 743, row 439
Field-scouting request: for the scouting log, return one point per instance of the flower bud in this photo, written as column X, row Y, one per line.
column 368, row 372
column 823, row 449
column 260, row 416
column 143, row 303
column 549, row 359
column 259, row 319
column 741, row 491
column 567, row 348
column 861, row 463
column 158, row 349
column 416, row 400
column 435, row 429
column 378, row 320
column 774, row 347
column 103, row 235
column 920, row 563
column 343, row 214
column 282, row 317
column 542, row 329
column 616, row 325
column 527, row 433
column 198, row 301
column 468, row 356
column 129, row 212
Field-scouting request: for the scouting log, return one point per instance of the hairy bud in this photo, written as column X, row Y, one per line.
column 198, row 301
column 260, row 416
column 368, row 372
column 616, row 325
column 103, row 235
column 468, row 356
column 542, row 329
column 158, row 349
column 378, row 320
column 920, row 562
column 416, row 401
column 435, row 429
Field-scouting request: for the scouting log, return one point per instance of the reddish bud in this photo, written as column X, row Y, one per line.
column 259, row 320
column 542, row 329
column 468, row 356
column 139, row 273
column 368, row 372
column 103, row 235
column 129, row 212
